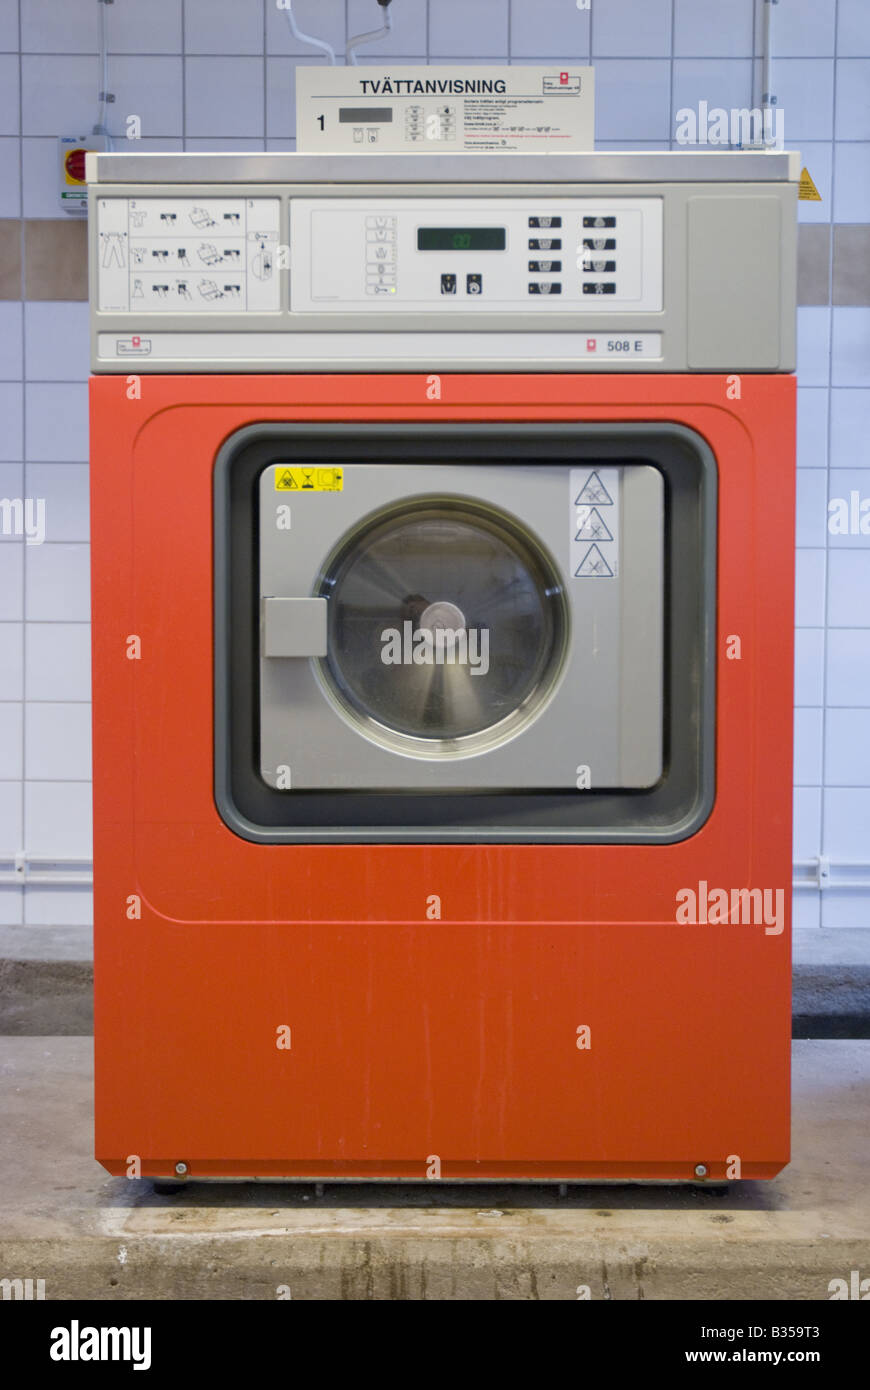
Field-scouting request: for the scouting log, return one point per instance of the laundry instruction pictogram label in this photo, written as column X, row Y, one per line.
column 166, row 255
column 594, row 505
column 308, row 479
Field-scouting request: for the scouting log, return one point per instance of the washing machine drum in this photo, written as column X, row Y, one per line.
column 447, row 621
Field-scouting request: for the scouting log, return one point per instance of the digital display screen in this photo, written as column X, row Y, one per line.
column 365, row 115
column 461, row 238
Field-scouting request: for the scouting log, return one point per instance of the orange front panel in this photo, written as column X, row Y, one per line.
column 413, row 1038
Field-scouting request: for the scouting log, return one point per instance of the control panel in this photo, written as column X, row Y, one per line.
column 188, row 255
column 475, row 253
column 661, row 262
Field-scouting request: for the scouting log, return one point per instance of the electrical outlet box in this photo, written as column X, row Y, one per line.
column 72, row 185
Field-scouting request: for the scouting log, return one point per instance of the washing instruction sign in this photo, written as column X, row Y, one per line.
column 594, row 522
column 437, row 110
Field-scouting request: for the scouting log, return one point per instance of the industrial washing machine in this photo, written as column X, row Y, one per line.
column 442, row 528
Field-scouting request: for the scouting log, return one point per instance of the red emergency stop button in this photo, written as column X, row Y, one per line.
column 75, row 165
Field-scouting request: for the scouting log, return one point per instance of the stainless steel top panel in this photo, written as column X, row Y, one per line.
column 674, row 166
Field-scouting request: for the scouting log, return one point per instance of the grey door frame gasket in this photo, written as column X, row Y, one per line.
column 675, row 808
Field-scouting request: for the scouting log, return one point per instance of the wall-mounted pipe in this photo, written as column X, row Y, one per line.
column 763, row 99
column 104, row 96
column 819, row 874
column 297, row 33
column 373, row 34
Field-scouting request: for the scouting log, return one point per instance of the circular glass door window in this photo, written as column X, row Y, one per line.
column 447, row 626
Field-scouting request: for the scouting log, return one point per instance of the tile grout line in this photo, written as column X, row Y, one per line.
column 671, row 112
column 183, row 75
column 827, row 578
column 543, row 56
column 23, row 283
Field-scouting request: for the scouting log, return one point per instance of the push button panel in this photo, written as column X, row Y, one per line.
column 381, row 255
column 476, row 255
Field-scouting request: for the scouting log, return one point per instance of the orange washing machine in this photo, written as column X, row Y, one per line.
column 442, row 530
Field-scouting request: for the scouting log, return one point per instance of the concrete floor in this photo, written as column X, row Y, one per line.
column 62, row 1219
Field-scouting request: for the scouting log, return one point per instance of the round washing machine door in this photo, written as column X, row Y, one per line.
column 447, row 626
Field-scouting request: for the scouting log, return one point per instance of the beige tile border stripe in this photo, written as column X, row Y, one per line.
column 46, row 259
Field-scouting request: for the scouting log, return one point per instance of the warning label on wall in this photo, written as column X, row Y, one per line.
column 807, row 191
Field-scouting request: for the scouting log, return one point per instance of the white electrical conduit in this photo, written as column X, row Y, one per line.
column 370, row 37
column 101, row 128
column 762, row 70
column 287, row 7
column 766, row 54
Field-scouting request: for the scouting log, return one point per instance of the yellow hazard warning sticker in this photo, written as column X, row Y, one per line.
column 807, row 191
column 307, row 479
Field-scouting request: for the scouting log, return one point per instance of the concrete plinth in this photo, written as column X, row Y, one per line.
column 62, row 1219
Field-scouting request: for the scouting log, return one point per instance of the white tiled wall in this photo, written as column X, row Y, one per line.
column 212, row 74
column 829, row 77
